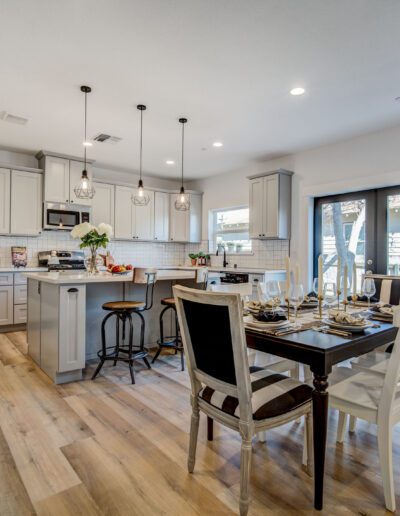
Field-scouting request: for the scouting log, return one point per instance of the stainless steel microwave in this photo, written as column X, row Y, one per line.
column 64, row 216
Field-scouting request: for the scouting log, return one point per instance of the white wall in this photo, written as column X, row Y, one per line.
column 368, row 161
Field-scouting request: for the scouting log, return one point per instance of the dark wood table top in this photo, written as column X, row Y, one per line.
column 321, row 350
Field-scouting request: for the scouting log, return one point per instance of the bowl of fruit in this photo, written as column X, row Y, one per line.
column 120, row 269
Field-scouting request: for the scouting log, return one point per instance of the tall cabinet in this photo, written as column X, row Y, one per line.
column 270, row 200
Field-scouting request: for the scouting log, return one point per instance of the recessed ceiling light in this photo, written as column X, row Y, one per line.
column 297, row 91
column 218, row 144
column 170, row 162
column 87, row 144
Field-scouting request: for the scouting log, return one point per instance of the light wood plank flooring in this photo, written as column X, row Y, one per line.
column 109, row 448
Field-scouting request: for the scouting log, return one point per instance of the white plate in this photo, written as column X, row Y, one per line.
column 265, row 325
column 355, row 328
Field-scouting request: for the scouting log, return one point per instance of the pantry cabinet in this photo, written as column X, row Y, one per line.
column 5, row 182
column 270, row 198
column 26, row 203
column 161, row 216
column 103, row 204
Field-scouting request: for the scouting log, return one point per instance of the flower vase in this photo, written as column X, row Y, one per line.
column 92, row 262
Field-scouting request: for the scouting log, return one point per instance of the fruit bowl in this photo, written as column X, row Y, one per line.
column 120, row 269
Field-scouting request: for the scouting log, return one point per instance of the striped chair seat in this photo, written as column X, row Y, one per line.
column 274, row 394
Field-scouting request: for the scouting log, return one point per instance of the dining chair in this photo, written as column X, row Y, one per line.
column 376, row 399
column 224, row 387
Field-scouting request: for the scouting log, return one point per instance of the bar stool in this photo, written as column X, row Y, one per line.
column 174, row 341
column 122, row 311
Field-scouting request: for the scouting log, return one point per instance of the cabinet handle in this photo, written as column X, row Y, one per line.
column 66, row 200
column 72, row 200
column 72, row 290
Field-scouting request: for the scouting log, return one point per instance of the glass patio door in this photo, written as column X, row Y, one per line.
column 388, row 231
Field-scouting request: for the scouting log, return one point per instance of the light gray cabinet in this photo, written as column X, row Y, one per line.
column 185, row 226
column 33, row 326
column 270, row 200
column 6, row 305
column 161, row 216
column 26, row 203
column 103, row 204
column 5, row 181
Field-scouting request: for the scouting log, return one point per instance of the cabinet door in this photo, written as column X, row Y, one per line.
column 103, row 204
column 143, row 218
column 123, row 213
column 71, row 347
column 178, row 222
column 20, row 294
column 195, row 217
column 33, row 326
column 161, row 216
column 75, row 174
column 5, row 193
column 6, row 306
column 26, row 203
column 56, row 184
column 271, row 206
column 256, row 203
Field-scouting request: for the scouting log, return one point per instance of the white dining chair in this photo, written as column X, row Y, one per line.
column 376, row 399
column 224, row 387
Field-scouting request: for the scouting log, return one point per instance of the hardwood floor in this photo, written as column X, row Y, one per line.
column 109, row 448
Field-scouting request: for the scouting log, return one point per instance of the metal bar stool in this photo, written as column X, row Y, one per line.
column 122, row 311
column 174, row 341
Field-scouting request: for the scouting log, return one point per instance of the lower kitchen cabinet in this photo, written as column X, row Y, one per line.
column 20, row 314
column 6, row 305
column 33, row 326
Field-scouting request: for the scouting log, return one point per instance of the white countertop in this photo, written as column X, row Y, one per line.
column 248, row 270
column 60, row 278
column 22, row 269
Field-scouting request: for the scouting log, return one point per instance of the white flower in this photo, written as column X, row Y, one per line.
column 105, row 229
column 81, row 230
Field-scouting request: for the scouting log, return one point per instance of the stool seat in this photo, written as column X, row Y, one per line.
column 168, row 301
column 123, row 305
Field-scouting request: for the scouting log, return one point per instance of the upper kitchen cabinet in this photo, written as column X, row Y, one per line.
column 143, row 219
column 26, row 203
column 123, row 212
column 185, row 226
column 270, row 205
column 5, row 182
column 103, row 204
column 61, row 175
column 161, row 216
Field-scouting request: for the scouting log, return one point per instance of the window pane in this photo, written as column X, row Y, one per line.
column 231, row 229
column 343, row 234
column 393, row 234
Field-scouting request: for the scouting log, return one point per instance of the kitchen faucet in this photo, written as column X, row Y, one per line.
column 224, row 263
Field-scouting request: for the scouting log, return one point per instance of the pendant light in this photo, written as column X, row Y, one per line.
column 85, row 188
column 140, row 198
column 182, row 202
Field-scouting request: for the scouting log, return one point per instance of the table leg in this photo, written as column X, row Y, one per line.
column 210, row 428
column 320, row 424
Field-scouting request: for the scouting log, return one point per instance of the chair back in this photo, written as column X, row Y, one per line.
column 213, row 337
column 243, row 289
column 148, row 277
column 387, row 288
column 388, row 396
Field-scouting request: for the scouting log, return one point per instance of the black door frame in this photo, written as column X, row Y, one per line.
column 370, row 224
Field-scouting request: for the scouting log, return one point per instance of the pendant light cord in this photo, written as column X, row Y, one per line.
column 141, row 144
column 183, row 144
column 84, row 150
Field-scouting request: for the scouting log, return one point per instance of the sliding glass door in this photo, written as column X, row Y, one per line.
column 388, row 231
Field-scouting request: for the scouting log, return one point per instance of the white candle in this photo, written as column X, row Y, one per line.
column 287, row 276
column 354, row 279
column 320, row 274
column 339, row 272
column 297, row 274
column 345, row 275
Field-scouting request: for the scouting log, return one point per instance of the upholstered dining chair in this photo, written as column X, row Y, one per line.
column 376, row 399
column 224, row 387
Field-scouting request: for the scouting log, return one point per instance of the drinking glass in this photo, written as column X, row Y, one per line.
column 330, row 292
column 296, row 297
column 368, row 289
column 273, row 291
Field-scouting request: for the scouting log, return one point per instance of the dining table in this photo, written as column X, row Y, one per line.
column 321, row 351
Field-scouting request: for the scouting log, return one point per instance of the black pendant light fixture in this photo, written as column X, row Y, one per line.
column 140, row 198
column 85, row 188
column 182, row 202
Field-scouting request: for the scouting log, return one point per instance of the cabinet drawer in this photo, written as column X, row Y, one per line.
column 20, row 312
column 6, row 278
column 20, row 294
column 20, row 279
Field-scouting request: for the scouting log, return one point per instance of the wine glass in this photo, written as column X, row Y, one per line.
column 296, row 297
column 273, row 291
column 368, row 289
column 330, row 292
column 315, row 285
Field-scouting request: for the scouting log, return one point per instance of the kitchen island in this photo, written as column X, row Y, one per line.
column 65, row 315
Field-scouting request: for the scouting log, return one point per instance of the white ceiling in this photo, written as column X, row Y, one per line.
column 227, row 65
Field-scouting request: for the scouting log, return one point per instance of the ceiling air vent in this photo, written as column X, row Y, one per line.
column 106, row 138
column 13, row 119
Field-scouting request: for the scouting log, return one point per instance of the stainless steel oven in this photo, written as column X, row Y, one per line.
column 63, row 216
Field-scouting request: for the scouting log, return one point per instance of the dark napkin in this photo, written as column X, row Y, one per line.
column 364, row 299
column 270, row 317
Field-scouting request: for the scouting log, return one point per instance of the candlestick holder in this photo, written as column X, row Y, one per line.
column 288, row 308
column 338, row 294
column 354, row 298
column 345, row 303
column 320, row 299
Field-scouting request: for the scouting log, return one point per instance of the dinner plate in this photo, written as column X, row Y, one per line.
column 267, row 325
column 354, row 328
